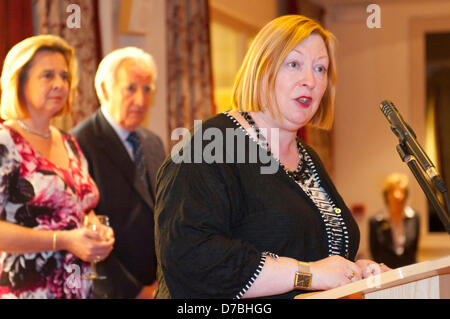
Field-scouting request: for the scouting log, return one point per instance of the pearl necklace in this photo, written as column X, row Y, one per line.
column 33, row 131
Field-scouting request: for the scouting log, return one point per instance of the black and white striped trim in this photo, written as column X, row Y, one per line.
column 239, row 125
column 256, row 274
column 337, row 232
column 263, row 146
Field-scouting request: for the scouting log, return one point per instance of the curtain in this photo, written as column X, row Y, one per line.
column 190, row 91
column 52, row 18
column 16, row 24
column 319, row 139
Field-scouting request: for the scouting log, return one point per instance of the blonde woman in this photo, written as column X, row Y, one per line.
column 227, row 228
column 45, row 187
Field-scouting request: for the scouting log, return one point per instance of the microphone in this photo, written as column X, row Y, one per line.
column 407, row 138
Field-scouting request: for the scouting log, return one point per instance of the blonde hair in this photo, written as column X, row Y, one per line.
column 16, row 66
column 106, row 72
column 395, row 180
column 255, row 82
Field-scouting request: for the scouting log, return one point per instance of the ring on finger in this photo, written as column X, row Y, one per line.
column 351, row 276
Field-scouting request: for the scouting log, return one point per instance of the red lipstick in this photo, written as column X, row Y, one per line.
column 304, row 101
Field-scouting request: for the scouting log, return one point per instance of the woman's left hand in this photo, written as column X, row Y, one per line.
column 370, row 268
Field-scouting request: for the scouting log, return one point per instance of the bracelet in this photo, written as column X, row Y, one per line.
column 54, row 240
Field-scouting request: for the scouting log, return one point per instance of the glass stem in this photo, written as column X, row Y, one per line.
column 93, row 272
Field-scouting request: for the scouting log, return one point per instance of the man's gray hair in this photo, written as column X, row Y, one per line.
column 106, row 72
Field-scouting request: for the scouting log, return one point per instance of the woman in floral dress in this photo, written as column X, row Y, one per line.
column 45, row 187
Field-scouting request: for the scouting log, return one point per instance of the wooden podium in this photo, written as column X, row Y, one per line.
column 425, row 280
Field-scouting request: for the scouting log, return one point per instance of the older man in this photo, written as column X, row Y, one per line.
column 123, row 159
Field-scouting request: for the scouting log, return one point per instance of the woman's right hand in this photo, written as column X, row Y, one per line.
column 332, row 272
column 86, row 244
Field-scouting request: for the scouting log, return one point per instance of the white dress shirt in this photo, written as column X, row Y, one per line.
column 120, row 131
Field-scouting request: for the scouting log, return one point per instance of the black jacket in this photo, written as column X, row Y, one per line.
column 381, row 241
column 125, row 200
column 214, row 221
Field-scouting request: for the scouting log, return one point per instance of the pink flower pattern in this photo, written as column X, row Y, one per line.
column 36, row 193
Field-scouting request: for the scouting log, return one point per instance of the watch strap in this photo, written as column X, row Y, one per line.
column 303, row 267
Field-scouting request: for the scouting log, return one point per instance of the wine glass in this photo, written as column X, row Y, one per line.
column 95, row 223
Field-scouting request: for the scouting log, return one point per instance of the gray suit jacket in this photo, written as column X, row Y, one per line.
column 125, row 199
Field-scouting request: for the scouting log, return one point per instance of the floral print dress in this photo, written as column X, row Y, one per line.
column 36, row 193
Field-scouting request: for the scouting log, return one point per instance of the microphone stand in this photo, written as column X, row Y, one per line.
column 425, row 184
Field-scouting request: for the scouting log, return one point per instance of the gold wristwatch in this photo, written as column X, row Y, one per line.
column 303, row 277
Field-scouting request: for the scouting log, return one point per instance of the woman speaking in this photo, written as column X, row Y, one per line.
column 229, row 229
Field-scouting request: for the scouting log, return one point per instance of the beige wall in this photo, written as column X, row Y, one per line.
column 233, row 26
column 253, row 12
column 373, row 65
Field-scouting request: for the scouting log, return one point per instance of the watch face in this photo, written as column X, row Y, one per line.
column 302, row 280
